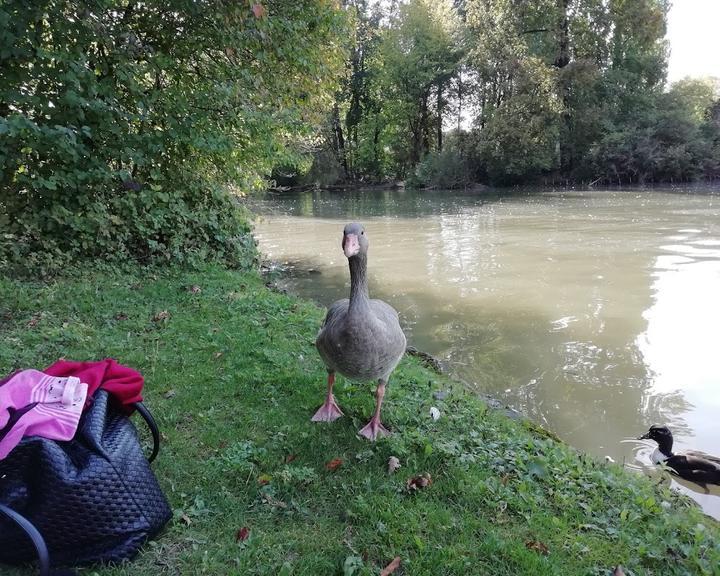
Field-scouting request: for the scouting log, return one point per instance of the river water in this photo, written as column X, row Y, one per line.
column 595, row 313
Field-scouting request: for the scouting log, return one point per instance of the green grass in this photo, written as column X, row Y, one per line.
column 233, row 377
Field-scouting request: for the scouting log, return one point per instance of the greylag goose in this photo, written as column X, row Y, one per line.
column 360, row 338
column 695, row 466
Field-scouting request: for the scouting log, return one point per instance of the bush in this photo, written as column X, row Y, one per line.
column 445, row 170
column 123, row 128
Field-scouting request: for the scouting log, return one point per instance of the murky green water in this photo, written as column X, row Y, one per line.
column 594, row 313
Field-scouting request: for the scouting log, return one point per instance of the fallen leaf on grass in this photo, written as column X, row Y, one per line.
column 161, row 316
column 417, row 482
column 264, row 479
column 334, row 464
column 169, row 394
column 217, row 355
column 289, row 458
column 121, row 316
column 537, row 546
column 273, row 501
column 194, row 289
column 34, row 320
column 393, row 464
column 258, row 10
column 390, row 568
column 185, row 519
column 242, row 534
column 618, row 571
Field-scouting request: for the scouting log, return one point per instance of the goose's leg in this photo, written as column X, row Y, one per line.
column 374, row 428
column 329, row 411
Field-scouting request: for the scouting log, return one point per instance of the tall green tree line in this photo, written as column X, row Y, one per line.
column 556, row 89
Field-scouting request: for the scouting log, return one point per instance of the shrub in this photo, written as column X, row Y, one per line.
column 123, row 125
column 446, row 170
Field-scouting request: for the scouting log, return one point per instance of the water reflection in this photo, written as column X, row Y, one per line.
column 596, row 313
column 681, row 340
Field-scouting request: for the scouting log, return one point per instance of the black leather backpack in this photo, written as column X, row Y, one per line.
column 91, row 499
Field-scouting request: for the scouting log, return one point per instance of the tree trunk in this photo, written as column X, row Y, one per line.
column 340, row 140
column 563, row 31
column 439, row 117
column 425, row 128
column 561, row 61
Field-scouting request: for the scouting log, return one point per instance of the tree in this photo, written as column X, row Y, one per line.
column 420, row 56
column 123, row 123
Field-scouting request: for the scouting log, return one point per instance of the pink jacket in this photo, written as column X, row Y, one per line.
column 35, row 404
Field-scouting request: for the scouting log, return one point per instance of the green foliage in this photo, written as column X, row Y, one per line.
column 124, row 125
column 570, row 89
column 672, row 138
column 445, row 170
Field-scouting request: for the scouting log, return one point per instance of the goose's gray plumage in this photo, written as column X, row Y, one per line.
column 695, row 466
column 360, row 338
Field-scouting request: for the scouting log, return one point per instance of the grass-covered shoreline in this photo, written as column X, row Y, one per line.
column 233, row 378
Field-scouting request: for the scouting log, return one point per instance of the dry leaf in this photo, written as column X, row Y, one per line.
column 217, row 355
column 273, row 501
column 393, row 464
column 242, row 534
column 194, row 289
column 259, row 10
column 34, row 320
column 289, row 458
column 618, row 571
column 121, row 316
column 334, row 464
column 537, row 546
column 169, row 394
column 161, row 316
column 390, row 568
column 264, row 479
column 186, row 519
column 417, row 482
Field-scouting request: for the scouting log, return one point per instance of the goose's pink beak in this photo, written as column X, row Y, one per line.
column 351, row 245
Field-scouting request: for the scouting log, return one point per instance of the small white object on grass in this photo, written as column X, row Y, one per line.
column 393, row 464
column 434, row 413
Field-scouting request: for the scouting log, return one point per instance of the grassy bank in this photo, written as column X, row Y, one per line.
column 233, row 378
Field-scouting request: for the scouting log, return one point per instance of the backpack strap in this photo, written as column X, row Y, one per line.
column 148, row 417
column 32, row 532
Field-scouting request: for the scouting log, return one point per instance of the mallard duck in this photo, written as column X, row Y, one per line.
column 360, row 338
column 695, row 466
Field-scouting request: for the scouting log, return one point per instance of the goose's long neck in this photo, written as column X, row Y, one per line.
column 359, row 297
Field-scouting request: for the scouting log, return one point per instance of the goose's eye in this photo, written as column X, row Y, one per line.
column 363, row 232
